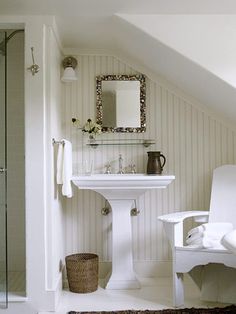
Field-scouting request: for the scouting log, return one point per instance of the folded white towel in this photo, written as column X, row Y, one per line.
column 64, row 167
column 208, row 235
column 198, row 235
column 194, row 237
column 211, row 243
column 205, row 240
column 221, row 228
column 229, row 241
column 207, row 244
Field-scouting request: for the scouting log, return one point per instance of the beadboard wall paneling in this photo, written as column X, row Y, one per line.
column 193, row 142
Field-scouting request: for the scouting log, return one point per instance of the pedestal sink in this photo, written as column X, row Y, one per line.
column 121, row 190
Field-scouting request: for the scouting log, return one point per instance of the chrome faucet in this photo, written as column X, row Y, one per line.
column 120, row 165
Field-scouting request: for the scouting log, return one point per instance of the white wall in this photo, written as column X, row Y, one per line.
column 55, row 219
column 193, row 141
column 44, row 235
column 42, row 98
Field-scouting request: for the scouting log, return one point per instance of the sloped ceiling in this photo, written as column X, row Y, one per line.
column 216, row 35
column 190, row 43
column 194, row 69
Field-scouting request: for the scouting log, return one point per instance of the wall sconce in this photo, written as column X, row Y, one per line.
column 69, row 64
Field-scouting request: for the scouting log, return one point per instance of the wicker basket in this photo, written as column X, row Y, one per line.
column 82, row 272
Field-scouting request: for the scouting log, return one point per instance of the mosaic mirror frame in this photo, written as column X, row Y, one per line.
column 99, row 108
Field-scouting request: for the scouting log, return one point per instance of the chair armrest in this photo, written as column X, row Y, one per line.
column 180, row 216
column 173, row 224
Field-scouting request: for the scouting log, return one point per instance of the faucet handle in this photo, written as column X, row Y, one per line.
column 108, row 168
column 132, row 168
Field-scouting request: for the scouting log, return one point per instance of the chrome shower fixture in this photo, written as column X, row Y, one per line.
column 5, row 41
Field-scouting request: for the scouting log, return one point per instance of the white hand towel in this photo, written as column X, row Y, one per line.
column 67, row 169
column 229, row 241
column 64, row 167
column 191, row 239
column 60, row 164
column 208, row 235
column 221, row 228
column 198, row 229
column 208, row 243
column 205, row 240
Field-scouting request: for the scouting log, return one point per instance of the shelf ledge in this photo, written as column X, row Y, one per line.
column 145, row 143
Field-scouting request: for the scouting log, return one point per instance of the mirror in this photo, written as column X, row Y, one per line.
column 121, row 103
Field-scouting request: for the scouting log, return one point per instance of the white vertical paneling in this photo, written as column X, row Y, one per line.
column 193, row 142
column 200, row 157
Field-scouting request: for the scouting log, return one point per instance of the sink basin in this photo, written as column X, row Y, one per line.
column 121, row 190
column 127, row 185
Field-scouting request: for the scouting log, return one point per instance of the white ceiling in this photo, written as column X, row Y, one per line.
column 108, row 7
column 190, row 43
column 89, row 22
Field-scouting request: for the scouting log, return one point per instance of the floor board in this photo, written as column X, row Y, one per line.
column 155, row 294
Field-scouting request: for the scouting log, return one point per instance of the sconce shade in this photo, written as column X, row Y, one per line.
column 69, row 75
column 69, row 65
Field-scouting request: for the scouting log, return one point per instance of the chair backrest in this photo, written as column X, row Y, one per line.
column 223, row 195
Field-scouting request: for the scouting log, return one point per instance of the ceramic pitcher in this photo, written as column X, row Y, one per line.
column 155, row 164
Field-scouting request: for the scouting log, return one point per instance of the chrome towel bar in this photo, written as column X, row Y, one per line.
column 54, row 142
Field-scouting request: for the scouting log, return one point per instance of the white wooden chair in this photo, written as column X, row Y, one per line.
column 222, row 209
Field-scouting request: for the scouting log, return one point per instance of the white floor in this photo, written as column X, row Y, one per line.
column 155, row 294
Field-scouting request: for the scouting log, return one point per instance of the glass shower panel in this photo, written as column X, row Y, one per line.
column 3, row 175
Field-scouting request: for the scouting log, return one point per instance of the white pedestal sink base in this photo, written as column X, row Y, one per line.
column 121, row 190
column 113, row 284
column 122, row 276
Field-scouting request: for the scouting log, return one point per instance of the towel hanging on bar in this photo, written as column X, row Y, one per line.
column 64, row 167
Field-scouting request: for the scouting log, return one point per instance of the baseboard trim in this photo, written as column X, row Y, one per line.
column 55, row 293
column 58, row 290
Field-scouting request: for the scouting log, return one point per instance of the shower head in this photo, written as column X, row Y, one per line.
column 5, row 41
